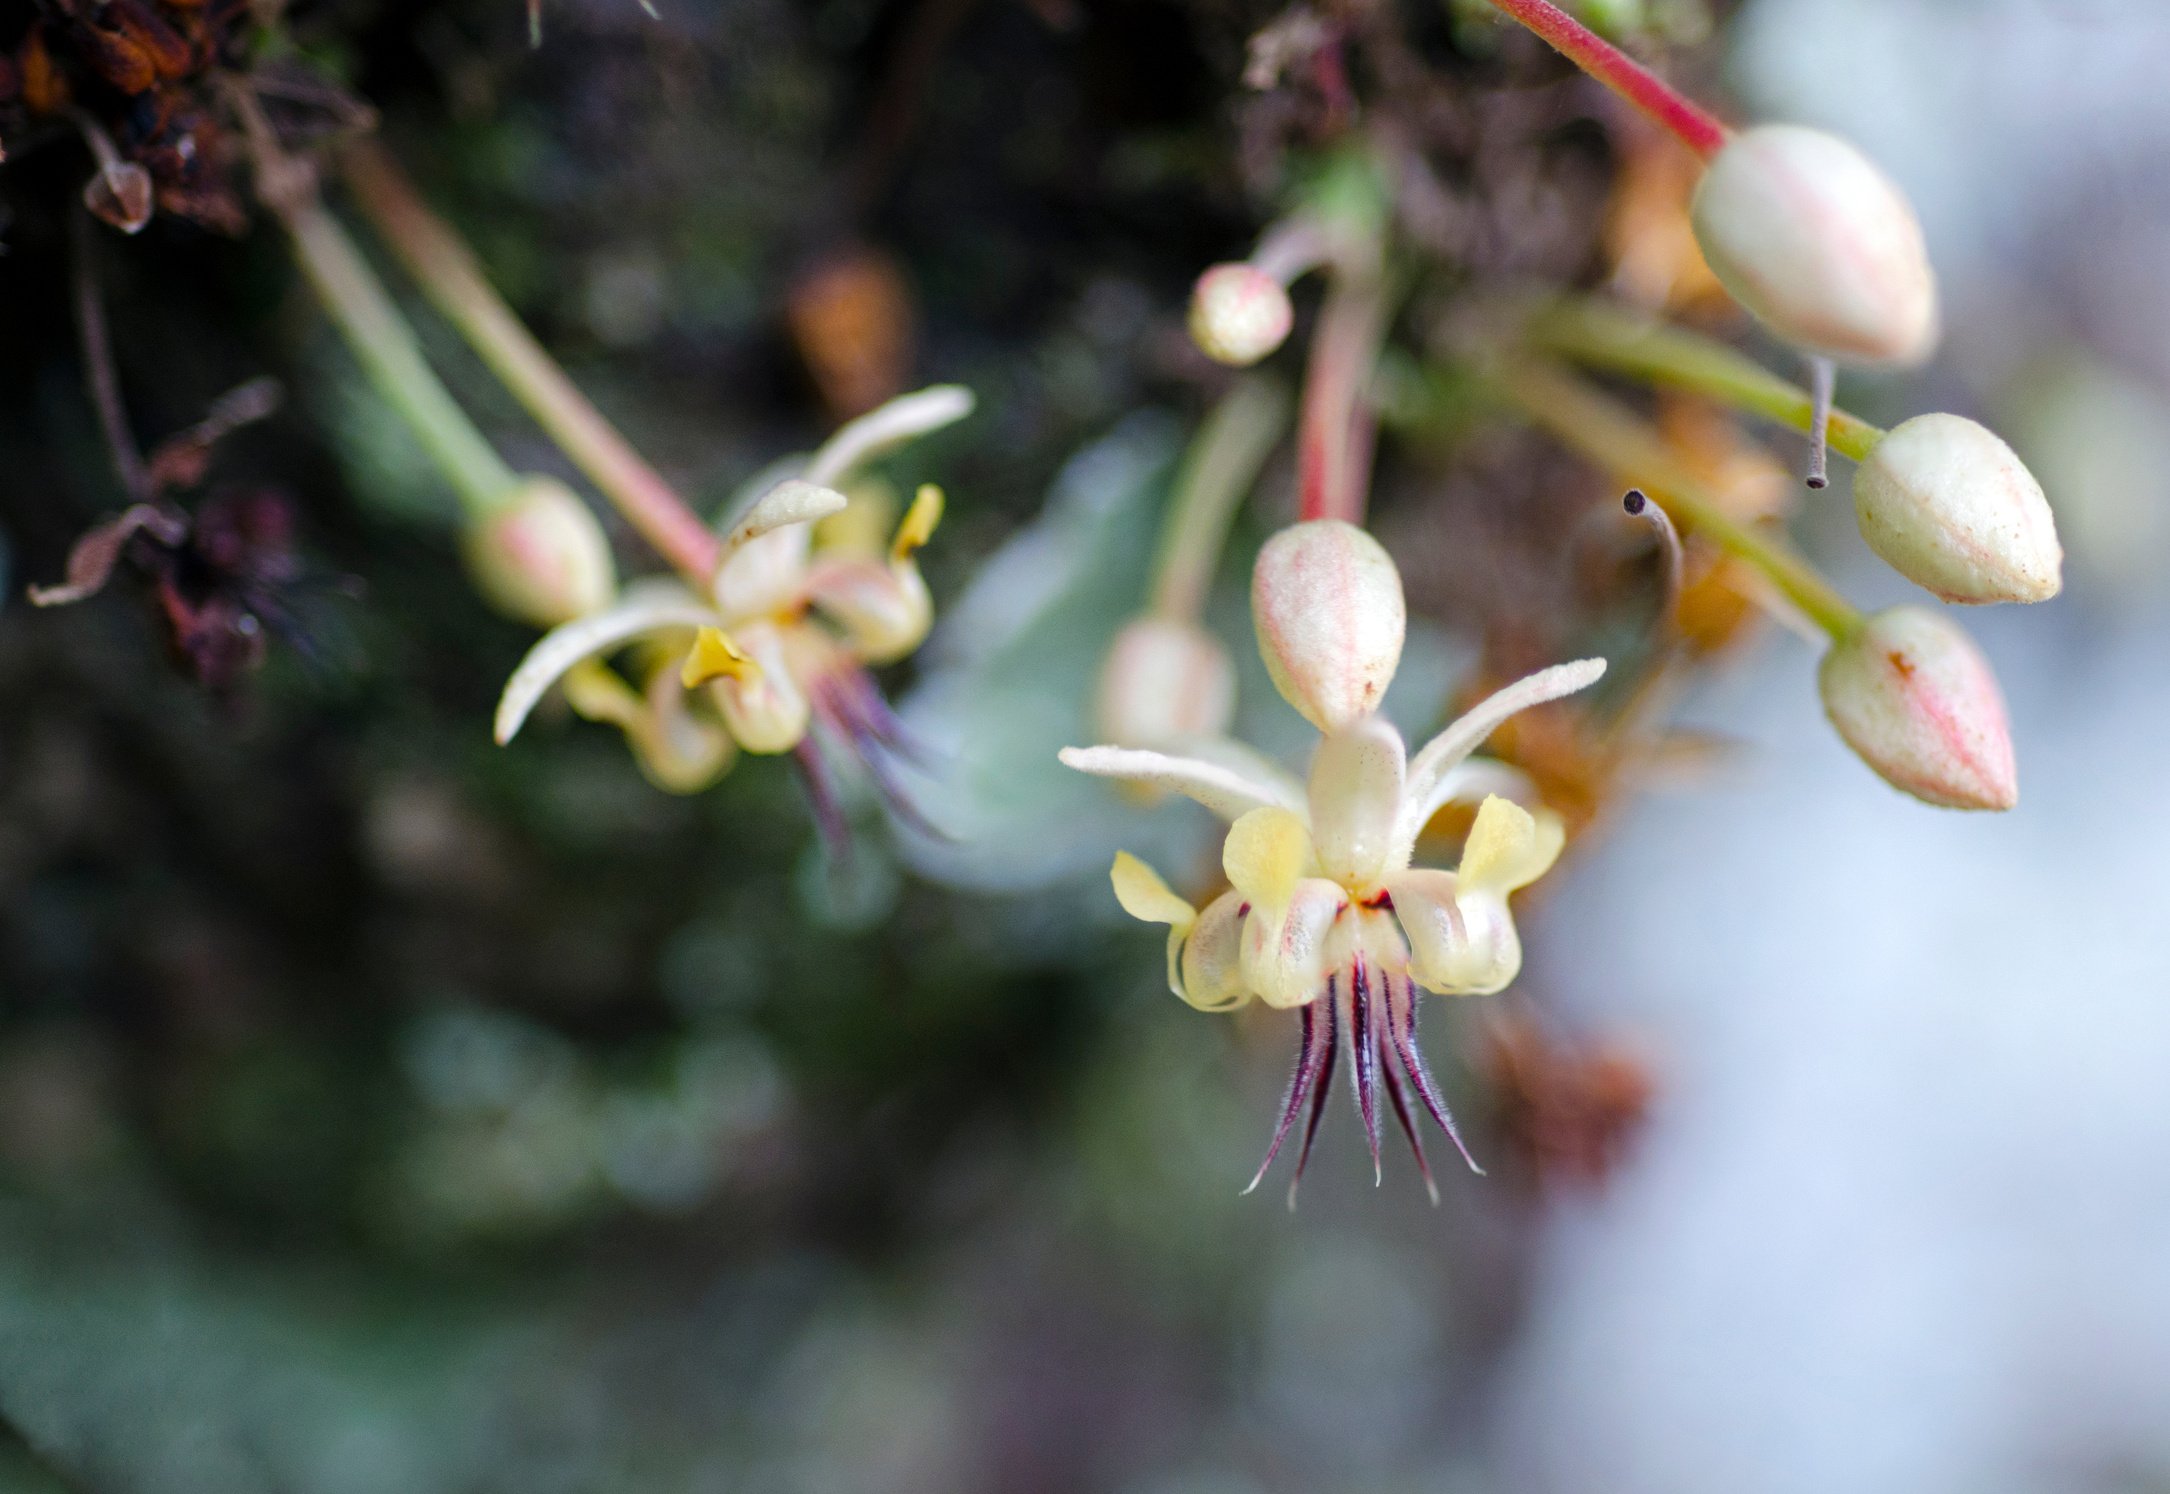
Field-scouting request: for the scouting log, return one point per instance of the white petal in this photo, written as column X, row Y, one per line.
column 792, row 501
column 1227, row 792
column 903, row 419
column 1445, row 752
column 644, row 607
column 1245, row 760
column 1356, row 786
column 1213, row 957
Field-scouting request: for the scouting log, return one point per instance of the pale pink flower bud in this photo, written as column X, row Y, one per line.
column 1913, row 696
column 542, row 558
column 1239, row 314
column 1327, row 603
column 1164, row 681
column 1952, row 508
column 1819, row 244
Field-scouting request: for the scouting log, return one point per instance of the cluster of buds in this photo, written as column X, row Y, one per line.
column 1325, row 912
column 805, row 601
column 1823, row 249
column 1818, row 244
column 135, row 75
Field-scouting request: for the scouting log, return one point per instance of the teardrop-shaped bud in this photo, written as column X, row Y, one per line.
column 1915, row 698
column 542, row 557
column 1164, row 681
column 1952, row 508
column 1818, row 243
column 1327, row 603
column 1239, row 314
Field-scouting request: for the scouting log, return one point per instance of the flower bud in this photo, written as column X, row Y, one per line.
column 1819, row 244
column 1239, row 314
column 542, row 558
column 1164, row 681
column 1952, row 508
column 1913, row 696
column 1326, row 600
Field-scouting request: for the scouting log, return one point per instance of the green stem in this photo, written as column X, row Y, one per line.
column 449, row 275
column 1627, row 342
column 1616, row 439
column 1219, row 468
column 384, row 344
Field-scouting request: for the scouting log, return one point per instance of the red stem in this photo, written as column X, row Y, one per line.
column 1334, row 440
column 1697, row 128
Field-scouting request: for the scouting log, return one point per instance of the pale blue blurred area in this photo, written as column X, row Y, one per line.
column 1901, row 1220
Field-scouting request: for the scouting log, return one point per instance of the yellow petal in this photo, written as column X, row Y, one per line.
column 919, row 523
column 677, row 753
column 715, row 656
column 1508, row 847
column 596, row 693
column 1145, row 896
column 1266, row 854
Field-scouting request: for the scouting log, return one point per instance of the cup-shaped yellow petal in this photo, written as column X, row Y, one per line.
column 1327, row 603
column 1285, row 946
column 1461, row 943
column 1355, row 796
column 765, row 707
column 676, row 751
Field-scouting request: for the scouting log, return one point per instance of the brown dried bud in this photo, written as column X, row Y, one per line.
column 45, row 91
column 117, row 59
column 120, row 194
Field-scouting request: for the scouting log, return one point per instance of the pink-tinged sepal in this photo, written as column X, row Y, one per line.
column 1327, row 603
